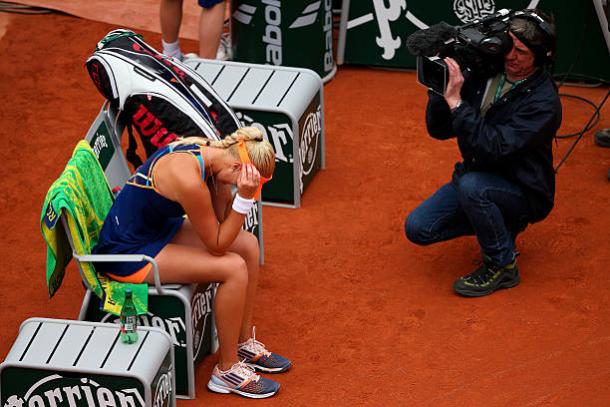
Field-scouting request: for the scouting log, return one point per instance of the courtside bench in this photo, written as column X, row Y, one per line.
column 287, row 105
column 57, row 362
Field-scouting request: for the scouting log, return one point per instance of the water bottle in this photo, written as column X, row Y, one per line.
column 129, row 320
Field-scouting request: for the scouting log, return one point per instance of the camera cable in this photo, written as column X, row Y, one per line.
column 583, row 131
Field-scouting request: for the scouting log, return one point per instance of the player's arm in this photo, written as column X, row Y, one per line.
column 221, row 199
column 180, row 180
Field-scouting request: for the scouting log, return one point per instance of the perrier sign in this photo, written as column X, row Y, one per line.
column 284, row 32
column 24, row 387
column 296, row 160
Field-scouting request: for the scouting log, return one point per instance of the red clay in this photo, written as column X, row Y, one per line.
column 367, row 317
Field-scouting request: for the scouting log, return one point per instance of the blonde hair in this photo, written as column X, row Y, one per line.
column 259, row 150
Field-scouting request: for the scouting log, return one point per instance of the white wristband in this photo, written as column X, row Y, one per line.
column 242, row 205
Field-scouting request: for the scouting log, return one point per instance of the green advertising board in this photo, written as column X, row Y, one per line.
column 374, row 32
column 285, row 33
column 291, row 176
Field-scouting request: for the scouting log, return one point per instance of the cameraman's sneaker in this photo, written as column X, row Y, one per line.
column 487, row 279
column 241, row 379
column 254, row 354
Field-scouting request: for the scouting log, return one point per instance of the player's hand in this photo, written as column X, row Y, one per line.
column 247, row 181
column 454, row 86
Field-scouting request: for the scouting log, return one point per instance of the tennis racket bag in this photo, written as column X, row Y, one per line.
column 157, row 95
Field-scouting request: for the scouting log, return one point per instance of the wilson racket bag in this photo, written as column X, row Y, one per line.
column 157, row 95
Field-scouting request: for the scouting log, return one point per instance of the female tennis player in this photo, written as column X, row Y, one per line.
column 178, row 209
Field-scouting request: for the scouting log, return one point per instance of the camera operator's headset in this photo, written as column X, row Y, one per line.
column 544, row 53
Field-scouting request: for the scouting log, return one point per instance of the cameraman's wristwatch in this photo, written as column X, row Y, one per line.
column 458, row 104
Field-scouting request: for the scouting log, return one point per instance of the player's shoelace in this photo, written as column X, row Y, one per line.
column 254, row 346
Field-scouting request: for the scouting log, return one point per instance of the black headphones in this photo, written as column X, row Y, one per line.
column 545, row 53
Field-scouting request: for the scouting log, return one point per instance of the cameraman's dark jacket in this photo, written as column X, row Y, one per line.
column 514, row 139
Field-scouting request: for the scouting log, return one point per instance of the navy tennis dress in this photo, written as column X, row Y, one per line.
column 141, row 221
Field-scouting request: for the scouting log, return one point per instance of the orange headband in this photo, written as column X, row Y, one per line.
column 245, row 159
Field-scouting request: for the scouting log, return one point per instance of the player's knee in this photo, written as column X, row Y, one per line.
column 251, row 248
column 237, row 269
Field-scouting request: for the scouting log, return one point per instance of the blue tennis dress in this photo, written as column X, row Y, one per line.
column 141, row 221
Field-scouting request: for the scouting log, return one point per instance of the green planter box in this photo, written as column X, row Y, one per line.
column 62, row 363
column 287, row 104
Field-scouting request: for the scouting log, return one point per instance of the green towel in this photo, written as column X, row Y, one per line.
column 82, row 194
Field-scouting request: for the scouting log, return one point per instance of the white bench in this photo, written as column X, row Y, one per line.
column 57, row 362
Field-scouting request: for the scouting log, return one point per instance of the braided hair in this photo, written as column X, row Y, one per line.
column 260, row 151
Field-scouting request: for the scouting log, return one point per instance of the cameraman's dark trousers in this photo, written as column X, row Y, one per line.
column 478, row 203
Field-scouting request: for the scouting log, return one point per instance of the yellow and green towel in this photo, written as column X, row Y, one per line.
column 82, row 194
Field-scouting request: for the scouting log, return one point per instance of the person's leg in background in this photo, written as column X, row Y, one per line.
column 170, row 13
column 211, row 22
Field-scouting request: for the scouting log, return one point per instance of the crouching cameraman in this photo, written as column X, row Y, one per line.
column 505, row 128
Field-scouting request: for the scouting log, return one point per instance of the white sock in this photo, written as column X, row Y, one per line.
column 172, row 49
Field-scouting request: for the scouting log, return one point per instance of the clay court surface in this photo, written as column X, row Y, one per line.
column 367, row 317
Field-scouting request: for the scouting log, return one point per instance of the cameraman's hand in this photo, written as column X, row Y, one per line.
column 454, row 87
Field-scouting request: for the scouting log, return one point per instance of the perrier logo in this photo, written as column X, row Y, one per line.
column 59, row 391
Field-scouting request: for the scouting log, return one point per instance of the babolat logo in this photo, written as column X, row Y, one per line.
column 328, row 36
column 174, row 326
column 273, row 33
column 163, row 391
column 309, row 16
column 279, row 135
column 309, row 142
column 244, row 13
column 59, row 391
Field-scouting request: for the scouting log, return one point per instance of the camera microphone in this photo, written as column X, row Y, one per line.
column 427, row 42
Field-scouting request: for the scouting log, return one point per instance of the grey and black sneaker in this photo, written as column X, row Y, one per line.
column 255, row 354
column 241, row 379
column 487, row 279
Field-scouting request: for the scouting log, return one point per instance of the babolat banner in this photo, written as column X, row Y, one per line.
column 286, row 33
column 374, row 32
